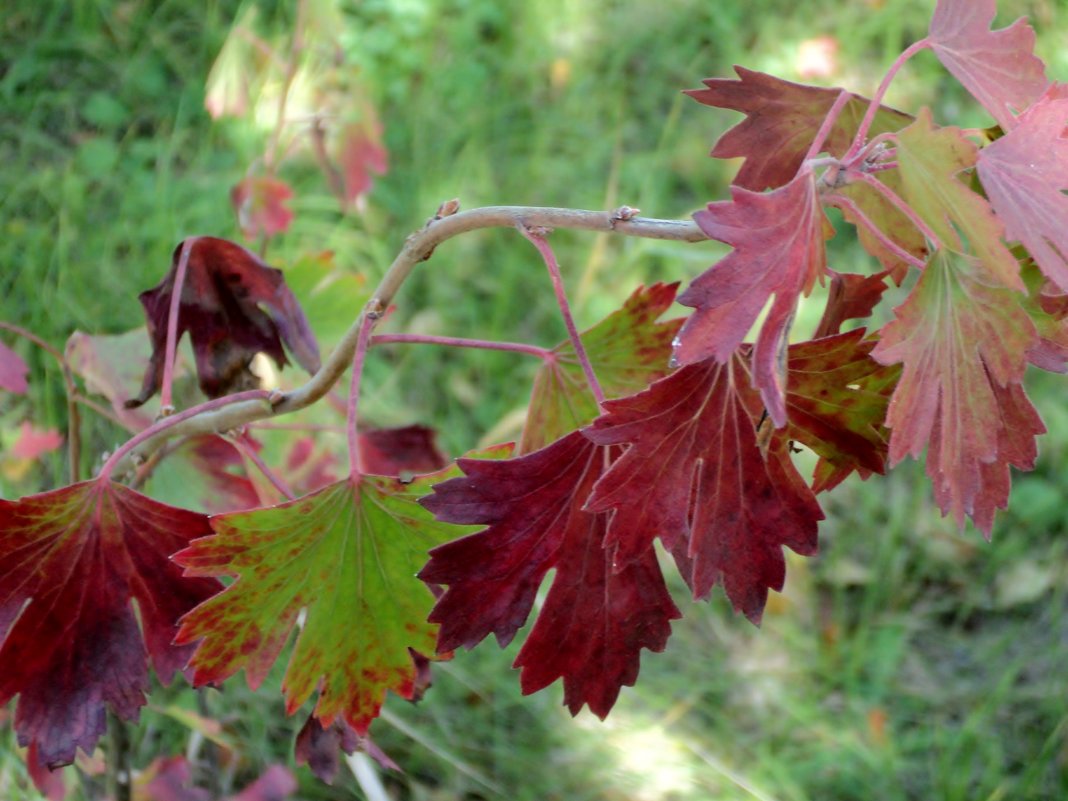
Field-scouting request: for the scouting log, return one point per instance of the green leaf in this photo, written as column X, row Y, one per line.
column 347, row 555
column 628, row 350
column 930, row 159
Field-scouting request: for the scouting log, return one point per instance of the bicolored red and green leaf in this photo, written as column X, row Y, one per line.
column 71, row 562
column 347, row 556
column 233, row 306
column 837, row 402
column 1027, row 193
column 13, row 371
column 930, row 160
column 778, row 239
column 963, row 343
column 596, row 617
column 695, row 475
column 628, row 350
column 999, row 67
column 259, row 202
column 782, row 119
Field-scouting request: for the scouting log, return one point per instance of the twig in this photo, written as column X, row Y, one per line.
column 371, row 314
column 537, row 238
column 244, row 447
column 842, row 202
column 459, row 342
column 417, row 248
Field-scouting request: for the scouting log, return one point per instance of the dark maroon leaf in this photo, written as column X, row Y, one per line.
column 595, row 619
column 695, row 474
column 233, row 306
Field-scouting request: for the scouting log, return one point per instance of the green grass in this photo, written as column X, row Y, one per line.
column 907, row 661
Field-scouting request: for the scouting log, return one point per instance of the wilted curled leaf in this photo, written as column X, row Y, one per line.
column 234, row 306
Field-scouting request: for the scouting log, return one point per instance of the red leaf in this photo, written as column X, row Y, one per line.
column 837, row 403
column 595, row 619
column 999, row 68
column 260, row 204
column 224, row 290
column 318, row 748
column 851, row 297
column 781, row 122
column 1027, row 190
column 778, row 240
column 695, row 475
column 13, row 371
column 393, row 451
column 35, row 442
column 79, row 555
column 963, row 343
column 362, row 153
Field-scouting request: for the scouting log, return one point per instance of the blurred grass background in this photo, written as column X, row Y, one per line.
column 907, row 661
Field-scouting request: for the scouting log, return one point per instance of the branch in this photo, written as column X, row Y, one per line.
column 418, row 248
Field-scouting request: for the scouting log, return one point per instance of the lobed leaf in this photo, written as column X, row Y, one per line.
column 346, row 555
column 778, row 240
column 695, row 475
column 999, row 68
column 71, row 562
column 629, row 350
column 782, row 119
column 929, row 159
column 596, row 618
column 234, row 306
column 963, row 344
column 1027, row 191
column 837, row 403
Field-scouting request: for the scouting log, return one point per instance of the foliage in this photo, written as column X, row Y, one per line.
column 638, row 430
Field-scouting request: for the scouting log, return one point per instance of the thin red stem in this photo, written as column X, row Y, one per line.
column 880, row 93
column 538, row 240
column 172, row 327
column 898, row 203
column 459, row 342
column 363, row 340
column 828, row 124
column 241, row 442
column 845, row 203
column 173, row 420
